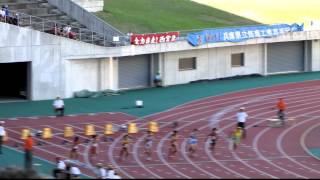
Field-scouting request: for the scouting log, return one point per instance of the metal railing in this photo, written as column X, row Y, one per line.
column 56, row 28
column 88, row 19
column 89, row 36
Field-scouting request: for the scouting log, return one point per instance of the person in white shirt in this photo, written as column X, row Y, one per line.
column 111, row 172
column 61, row 167
column 58, row 105
column 101, row 172
column 75, row 172
column 67, row 30
column 2, row 135
column 241, row 119
column 2, row 15
column 116, row 176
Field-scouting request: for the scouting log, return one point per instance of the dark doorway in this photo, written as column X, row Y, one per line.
column 14, row 81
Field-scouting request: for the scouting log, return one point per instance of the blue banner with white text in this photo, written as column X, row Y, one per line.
column 239, row 34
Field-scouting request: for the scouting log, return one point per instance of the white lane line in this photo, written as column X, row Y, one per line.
column 257, row 137
column 230, row 125
column 302, row 141
column 269, row 95
column 184, row 153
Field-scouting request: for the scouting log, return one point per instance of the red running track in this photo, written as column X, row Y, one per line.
column 265, row 153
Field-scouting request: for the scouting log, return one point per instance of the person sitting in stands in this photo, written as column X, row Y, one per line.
column 58, row 105
column 67, row 30
column 6, row 10
column 13, row 19
column 56, row 30
column 72, row 35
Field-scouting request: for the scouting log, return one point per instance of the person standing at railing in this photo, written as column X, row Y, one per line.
column 56, row 30
column 6, row 9
column 2, row 15
column 5, row 13
column 72, row 35
column 128, row 36
column 14, row 19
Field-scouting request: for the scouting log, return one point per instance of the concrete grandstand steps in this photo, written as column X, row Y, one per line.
column 45, row 16
column 18, row 1
column 35, row 11
column 20, row 5
column 50, row 16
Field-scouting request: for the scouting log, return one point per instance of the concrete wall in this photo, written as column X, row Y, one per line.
column 82, row 74
column 184, row 45
column 49, row 55
column 91, row 5
column 90, row 74
column 61, row 66
column 315, row 53
column 212, row 64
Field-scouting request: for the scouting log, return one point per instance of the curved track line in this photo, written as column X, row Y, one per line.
column 244, row 90
column 286, row 92
column 110, row 154
column 257, row 137
column 255, row 145
column 250, row 126
column 136, row 156
column 283, row 90
column 159, row 149
column 280, row 148
column 303, row 137
column 184, row 146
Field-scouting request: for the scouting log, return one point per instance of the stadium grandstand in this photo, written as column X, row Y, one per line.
column 159, row 89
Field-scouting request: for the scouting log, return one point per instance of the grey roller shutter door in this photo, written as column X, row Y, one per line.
column 285, row 57
column 134, row 72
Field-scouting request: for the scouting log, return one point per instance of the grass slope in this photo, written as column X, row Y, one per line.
column 141, row 16
column 270, row 11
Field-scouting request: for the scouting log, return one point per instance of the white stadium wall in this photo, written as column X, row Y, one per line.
column 90, row 74
column 50, row 56
column 315, row 55
column 61, row 66
column 212, row 64
column 91, row 5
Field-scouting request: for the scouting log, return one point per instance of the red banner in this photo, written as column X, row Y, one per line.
column 143, row 39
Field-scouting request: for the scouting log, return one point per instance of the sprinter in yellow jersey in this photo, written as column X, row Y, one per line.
column 236, row 137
